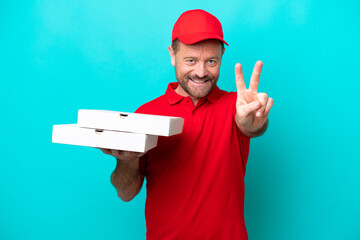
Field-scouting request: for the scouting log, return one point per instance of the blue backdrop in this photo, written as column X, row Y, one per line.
column 56, row 57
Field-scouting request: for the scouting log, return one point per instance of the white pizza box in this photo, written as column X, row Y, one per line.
column 74, row 135
column 130, row 122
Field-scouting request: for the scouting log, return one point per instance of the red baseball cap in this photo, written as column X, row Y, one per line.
column 196, row 25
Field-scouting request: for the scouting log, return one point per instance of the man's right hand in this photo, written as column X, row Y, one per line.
column 124, row 156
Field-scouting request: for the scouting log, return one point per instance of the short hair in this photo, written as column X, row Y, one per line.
column 175, row 45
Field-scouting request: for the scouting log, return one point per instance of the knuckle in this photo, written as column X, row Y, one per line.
column 263, row 95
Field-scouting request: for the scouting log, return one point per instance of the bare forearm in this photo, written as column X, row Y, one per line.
column 126, row 179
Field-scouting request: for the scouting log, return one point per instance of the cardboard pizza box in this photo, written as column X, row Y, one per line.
column 74, row 135
column 130, row 122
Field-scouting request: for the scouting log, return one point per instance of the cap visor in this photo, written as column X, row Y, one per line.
column 197, row 37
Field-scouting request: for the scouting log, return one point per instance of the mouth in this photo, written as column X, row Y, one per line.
column 198, row 82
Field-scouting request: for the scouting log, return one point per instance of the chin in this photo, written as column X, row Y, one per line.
column 194, row 91
column 199, row 94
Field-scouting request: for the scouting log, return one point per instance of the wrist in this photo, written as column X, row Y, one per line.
column 254, row 132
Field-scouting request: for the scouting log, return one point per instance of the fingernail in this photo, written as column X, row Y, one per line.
column 258, row 114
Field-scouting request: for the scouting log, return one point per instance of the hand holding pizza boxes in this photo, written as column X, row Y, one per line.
column 133, row 132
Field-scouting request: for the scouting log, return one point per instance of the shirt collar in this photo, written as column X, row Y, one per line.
column 214, row 95
column 173, row 97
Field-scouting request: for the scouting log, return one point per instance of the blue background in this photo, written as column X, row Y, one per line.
column 56, row 57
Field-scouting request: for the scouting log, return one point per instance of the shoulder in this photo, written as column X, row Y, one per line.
column 228, row 98
column 153, row 106
column 225, row 95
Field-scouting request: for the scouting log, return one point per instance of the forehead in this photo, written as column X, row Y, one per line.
column 207, row 47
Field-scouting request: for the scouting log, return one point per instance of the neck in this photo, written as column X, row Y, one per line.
column 181, row 92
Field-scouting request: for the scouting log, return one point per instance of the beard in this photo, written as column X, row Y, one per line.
column 192, row 89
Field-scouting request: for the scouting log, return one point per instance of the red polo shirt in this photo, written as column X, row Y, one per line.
column 195, row 180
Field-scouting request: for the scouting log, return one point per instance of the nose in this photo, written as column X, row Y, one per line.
column 201, row 70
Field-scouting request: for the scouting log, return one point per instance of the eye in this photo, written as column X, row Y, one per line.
column 190, row 61
column 212, row 62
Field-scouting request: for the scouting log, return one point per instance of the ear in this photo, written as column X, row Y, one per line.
column 172, row 55
column 223, row 52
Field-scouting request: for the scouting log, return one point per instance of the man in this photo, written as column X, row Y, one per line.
column 195, row 180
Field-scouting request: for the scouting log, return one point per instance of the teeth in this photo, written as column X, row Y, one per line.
column 196, row 81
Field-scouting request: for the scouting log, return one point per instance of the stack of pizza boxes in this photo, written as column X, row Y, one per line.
column 117, row 130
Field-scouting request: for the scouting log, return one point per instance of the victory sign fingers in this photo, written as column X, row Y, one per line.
column 252, row 107
column 254, row 81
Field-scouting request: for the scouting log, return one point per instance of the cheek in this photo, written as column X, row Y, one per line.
column 214, row 71
column 183, row 70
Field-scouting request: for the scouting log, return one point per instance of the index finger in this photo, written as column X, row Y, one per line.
column 239, row 78
column 255, row 77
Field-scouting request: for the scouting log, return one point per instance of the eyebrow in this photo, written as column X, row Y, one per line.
column 197, row 58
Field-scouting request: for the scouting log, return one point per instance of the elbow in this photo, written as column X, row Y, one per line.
column 127, row 192
column 126, row 197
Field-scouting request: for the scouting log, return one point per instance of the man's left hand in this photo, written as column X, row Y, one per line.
column 252, row 108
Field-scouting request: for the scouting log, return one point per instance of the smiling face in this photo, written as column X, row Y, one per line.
column 197, row 67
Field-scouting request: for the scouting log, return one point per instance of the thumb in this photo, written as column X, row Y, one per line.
column 247, row 109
